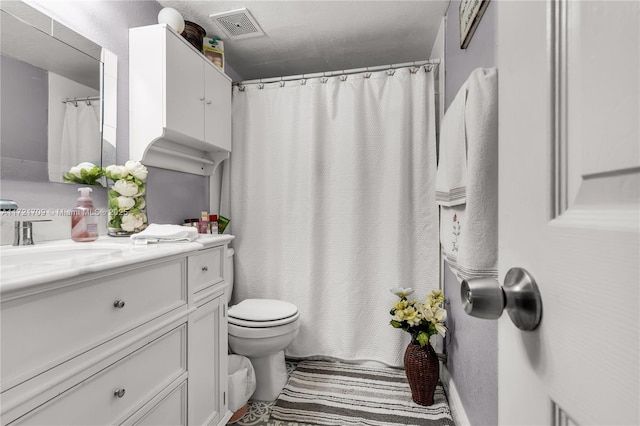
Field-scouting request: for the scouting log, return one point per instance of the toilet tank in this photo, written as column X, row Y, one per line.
column 228, row 269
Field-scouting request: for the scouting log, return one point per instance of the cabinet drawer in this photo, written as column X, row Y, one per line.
column 205, row 268
column 171, row 411
column 43, row 330
column 139, row 376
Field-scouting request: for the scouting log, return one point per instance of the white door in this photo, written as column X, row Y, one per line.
column 569, row 197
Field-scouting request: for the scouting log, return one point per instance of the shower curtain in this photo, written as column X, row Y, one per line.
column 80, row 140
column 332, row 204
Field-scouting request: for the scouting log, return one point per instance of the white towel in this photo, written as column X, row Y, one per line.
column 469, row 232
column 156, row 233
column 451, row 178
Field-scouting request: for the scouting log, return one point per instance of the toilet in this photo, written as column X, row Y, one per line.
column 261, row 329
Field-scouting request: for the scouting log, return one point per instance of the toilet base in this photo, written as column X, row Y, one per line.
column 271, row 376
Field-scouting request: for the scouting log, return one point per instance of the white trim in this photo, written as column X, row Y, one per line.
column 455, row 403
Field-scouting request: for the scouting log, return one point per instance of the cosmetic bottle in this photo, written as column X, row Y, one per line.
column 203, row 226
column 213, row 224
column 84, row 221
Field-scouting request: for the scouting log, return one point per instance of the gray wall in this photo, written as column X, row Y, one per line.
column 473, row 345
column 171, row 196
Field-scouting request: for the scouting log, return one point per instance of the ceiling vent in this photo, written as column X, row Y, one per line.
column 237, row 24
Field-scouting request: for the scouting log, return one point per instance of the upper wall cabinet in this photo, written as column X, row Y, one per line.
column 179, row 103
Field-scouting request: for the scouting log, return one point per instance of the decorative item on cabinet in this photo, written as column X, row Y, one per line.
column 173, row 18
column 194, row 34
column 180, row 103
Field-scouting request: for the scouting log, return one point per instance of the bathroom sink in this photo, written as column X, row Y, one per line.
column 29, row 260
column 30, row 256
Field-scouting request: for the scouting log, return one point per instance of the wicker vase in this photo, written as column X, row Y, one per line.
column 422, row 369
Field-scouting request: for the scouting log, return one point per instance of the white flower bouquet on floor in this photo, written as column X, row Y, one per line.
column 420, row 319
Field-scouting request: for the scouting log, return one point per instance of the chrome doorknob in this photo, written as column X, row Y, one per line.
column 520, row 297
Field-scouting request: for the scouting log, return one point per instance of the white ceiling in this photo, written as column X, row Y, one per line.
column 314, row 36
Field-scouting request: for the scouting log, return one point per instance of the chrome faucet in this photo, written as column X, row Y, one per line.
column 27, row 232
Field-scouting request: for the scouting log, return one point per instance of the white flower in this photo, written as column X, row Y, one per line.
column 402, row 292
column 136, row 169
column 440, row 315
column 131, row 222
column 435, row 298
column 441, row 329
column 412, row 317
column 141, row 190
column 125, row 203
column 140, row 203
column 123, row 187
column 76, row 170
column 116, row 172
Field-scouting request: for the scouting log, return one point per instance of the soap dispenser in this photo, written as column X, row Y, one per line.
column 84, row 221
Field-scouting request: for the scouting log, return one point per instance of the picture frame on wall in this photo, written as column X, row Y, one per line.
column 470, row 13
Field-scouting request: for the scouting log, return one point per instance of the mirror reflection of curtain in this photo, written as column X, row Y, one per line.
column 80, row 130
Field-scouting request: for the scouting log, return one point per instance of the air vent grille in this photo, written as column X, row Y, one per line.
column 237, row 24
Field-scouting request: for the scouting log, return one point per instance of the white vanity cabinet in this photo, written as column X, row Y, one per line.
column 180, row 103
column 142, row 344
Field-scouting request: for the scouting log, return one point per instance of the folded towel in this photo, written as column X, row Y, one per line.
column 469, row 232
column 451, row 178
column 156, row 233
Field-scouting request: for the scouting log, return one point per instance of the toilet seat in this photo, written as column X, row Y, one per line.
column 263, row 324
column 262, row 318
column 262, row 313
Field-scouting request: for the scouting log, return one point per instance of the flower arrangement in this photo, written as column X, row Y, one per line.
column 420, row 319
column 126, row 197
column 84, row 173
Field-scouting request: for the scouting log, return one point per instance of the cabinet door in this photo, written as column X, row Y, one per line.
column 207, row 363
column 184, row 89
column 217, row 115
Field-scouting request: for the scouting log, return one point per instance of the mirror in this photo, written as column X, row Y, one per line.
column 58, row 98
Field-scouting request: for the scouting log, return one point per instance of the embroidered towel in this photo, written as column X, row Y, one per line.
column 451, row 178
column 469, row 232
column 156, row 233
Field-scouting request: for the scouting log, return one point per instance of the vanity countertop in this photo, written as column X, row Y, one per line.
column 27, row 266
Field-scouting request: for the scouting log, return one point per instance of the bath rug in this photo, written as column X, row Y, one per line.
column 326, row 393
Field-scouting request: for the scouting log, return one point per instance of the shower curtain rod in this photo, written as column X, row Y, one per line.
column 81, row 99
column 432, row 62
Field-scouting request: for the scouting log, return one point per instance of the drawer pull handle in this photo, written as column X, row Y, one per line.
column 205, row 268
column 119, row 304
column 118, row 393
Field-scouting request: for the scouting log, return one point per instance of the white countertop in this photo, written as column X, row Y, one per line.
column 26, row 266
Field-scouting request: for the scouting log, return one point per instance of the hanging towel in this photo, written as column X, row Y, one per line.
column 156, row 233
column 451, row 178
column 469, row 232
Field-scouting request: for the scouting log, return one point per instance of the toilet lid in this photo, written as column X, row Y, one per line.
column 262, row 310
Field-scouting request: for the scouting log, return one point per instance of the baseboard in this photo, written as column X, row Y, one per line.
column 455, row 403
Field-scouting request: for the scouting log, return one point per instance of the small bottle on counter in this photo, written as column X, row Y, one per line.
column 84, row 221
column 203, row 225
column 213, row 224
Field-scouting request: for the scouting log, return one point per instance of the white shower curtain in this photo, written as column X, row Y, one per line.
column 80, row 140
column 333, row 203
